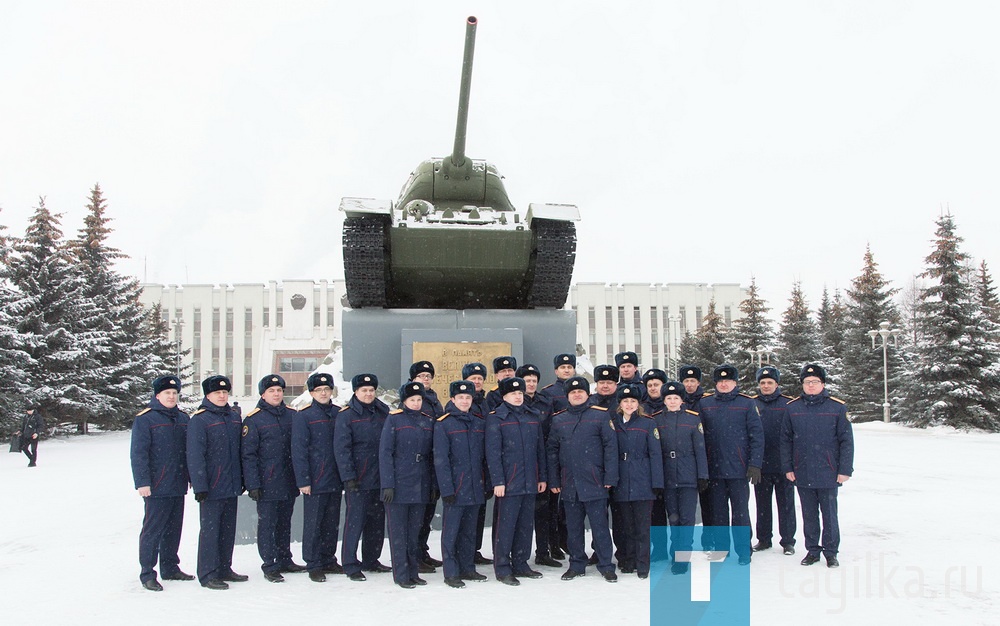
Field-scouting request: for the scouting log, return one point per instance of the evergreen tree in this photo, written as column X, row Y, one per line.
column 163, row 355
column 832, row 326
column 710, row 345
column 798, row 340
column 870, row 301
column 52, row 316
column 12, row 359
column 953, row 380
column 751, row 332
column 121, row 362
column 986, row 294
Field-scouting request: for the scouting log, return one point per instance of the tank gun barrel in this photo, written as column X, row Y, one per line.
column 458, row 153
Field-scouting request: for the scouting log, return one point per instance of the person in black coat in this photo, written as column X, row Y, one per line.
column 406, row 469
column 503, row 367
column 476, row 374
column 640, row 478
column 459, row 454
column 565, row 368
column 546, row 503
column 269, row 477
column 771, row 403
column 654, row 379
column 213, row 457
column 817, row 454
column 317, row 478
column 515, row 452
column 685, row 470
column 160, row 473
column 423, row 372
column 605, row 385
column 356, row 440
column 32, row 426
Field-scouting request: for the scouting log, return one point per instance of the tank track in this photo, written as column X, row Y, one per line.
column 554, row 256
column 366, row 261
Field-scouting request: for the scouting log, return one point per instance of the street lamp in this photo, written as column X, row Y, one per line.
column 886, row 335
column 675, row 326
column 178, row 325
column 760, row 352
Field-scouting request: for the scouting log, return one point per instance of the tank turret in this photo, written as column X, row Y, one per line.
column 453, row 239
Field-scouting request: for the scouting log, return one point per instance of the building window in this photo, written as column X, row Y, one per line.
column 267, row 317
column 331, row 317
column 229, row 322
column 637, row 328
column 621, row 329
column 316, row 317
column 298, row 364
column 697, row 317
column 279, row 317
column 196, row 343
column 682, row 311
column 728, row 313
column 592, row 329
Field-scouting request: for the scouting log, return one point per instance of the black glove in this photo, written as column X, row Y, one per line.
column 702, row 485
column 200, row 496
column 658, row 493
column 435, row 494
column 488, row 493
column 449, row 500
column 352, row 485
column 255, row 494
column 387, row 495
column 753, row 475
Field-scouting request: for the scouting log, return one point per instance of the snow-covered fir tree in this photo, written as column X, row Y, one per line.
column 165, row 356
column 710, row 345
column 122, row 362
column 751, row 332
column 798, row 340
column 869, row 302
column 953, row 378
column 831, row 322
column 986, row 294
column 12, row 359
column 52, row 317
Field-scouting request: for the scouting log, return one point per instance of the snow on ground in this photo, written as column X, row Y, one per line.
column 919, row 546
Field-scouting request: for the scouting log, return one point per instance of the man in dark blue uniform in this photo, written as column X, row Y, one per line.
column 476, row 374
column 213, row 457
column 771, row 403
column 515, row 453
column 690, row 377
column 459, row 454
column 817, row 452
column 546, row 502
column 317, row 478
column 628, row 371
column 565, row 368
column 685, row 469
column 423, row 373
column 654, row 379
column 160, row 474
column 356, row 437
column 583, row 466
column 504, row 367
column 734, row 440
column 269, row 478
column 606, row 385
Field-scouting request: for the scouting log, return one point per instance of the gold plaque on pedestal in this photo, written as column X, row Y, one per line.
column 448, row 358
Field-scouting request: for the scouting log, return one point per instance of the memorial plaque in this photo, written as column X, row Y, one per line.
column 448, row 358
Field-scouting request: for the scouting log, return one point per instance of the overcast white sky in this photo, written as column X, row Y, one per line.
column 703, row 141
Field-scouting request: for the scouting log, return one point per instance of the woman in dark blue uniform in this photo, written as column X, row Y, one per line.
column 407, row 475
column 685, row 467
column 640, row 476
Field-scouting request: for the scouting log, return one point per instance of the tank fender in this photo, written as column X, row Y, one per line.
column 558, row 212
column 356, row 207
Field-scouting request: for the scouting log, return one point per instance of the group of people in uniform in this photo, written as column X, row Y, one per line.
column 645, row 447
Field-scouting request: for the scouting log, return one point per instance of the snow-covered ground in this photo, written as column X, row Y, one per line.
column 919, row 545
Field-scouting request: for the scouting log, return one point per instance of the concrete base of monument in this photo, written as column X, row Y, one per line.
column 386, row 341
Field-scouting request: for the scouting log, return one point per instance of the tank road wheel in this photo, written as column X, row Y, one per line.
column 366, row 260
column 553, row 256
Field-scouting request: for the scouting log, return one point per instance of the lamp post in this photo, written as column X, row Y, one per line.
column 886, row 335
column 760, row 352
column 675, row 326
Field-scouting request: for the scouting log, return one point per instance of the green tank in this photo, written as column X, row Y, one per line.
column 453, row 239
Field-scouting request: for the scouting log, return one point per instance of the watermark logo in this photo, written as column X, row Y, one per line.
column 706, row 586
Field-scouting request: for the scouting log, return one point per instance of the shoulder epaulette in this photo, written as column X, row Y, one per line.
column 344, row 408
column 707, row 393
column 201, row 410
column 427, row 414
column 692, row 412
column 785, row 395
column 600, row 408
column 395, row 411
column 837, row 400
column 495, row 387
column 647, row 415
column 547, row 386
column 794, row 399
column 747, row 396
column 143, row 412
column 255, row 411
column 493, row 412
column 443, row 416
column 560, row 411
column 752, row 397
column 303, row 408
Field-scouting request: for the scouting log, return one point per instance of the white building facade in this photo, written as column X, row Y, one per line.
column 247, row 331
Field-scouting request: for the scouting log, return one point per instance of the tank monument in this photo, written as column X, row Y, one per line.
column 451, row 271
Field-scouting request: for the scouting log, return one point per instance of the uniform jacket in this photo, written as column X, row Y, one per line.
column 605, row 402
column 543, row 405
column 159, row 450
column 734, row 436
column 267, row 451
column 693, row 400
column 405, row 456
column 557, row 394
column 653, row 407
column 772, row 417
column 432, row 404
column 493, row 398
column 213, row 451
column 582, row 453
column 355, row 441
column 683, row 444
column 640, row 460
column 817, row 441
column 313, row 456
column 459, row 442
column 515, row 449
